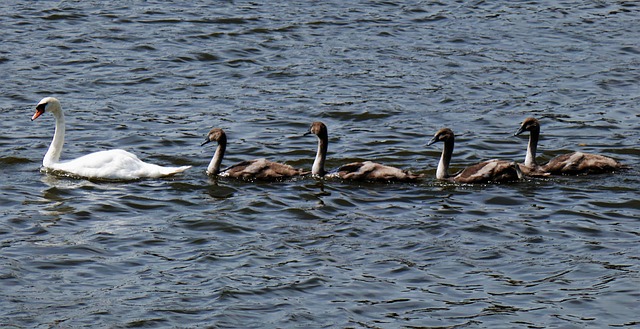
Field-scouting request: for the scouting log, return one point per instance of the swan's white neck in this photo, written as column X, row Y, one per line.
column 445, row 159
column 55, row 149
column 216, row 160
column 321, row 156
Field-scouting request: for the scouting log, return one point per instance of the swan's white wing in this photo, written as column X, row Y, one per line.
column 114, row 164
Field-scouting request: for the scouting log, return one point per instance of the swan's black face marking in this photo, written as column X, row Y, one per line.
column 39, row 110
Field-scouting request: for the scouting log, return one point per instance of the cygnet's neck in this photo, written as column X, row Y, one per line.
column 530, row 158
column 55, row 149
column 445, row 159
column 216, row 160
column 321, row 156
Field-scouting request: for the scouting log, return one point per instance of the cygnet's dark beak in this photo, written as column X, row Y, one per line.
column 520, row 131
column 433, row 140
column 206, row 141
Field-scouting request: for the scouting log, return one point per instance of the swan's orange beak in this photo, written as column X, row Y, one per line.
column 39, row 111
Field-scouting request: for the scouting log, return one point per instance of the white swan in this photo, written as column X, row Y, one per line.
column 111, row 164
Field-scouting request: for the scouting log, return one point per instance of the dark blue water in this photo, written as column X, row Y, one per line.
column 190, row 251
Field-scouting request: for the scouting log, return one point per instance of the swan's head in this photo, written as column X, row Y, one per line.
column 215, row 135
column 47, row 104
column 319, row 129
column 443, row 135
column 529, row 124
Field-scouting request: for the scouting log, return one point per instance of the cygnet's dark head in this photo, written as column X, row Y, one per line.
column 319, row 129
column 529, row 124
column 442, row 135
column 216, row 135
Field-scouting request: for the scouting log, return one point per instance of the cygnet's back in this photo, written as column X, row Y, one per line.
column 261, row 169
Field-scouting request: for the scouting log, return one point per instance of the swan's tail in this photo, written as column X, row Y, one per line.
column 168, row 171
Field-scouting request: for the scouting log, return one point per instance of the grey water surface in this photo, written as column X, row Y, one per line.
column 189, row 251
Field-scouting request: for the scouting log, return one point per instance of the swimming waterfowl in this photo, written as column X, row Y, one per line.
column 363, row 171
column 258, row 169
column 574, row 163
column 111, row 164
column 492, row 171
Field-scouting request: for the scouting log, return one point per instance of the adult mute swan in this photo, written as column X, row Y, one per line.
column 111, row 164
column 366, row 170
column 566, row 164
column 492, row 171
column 259, row 169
